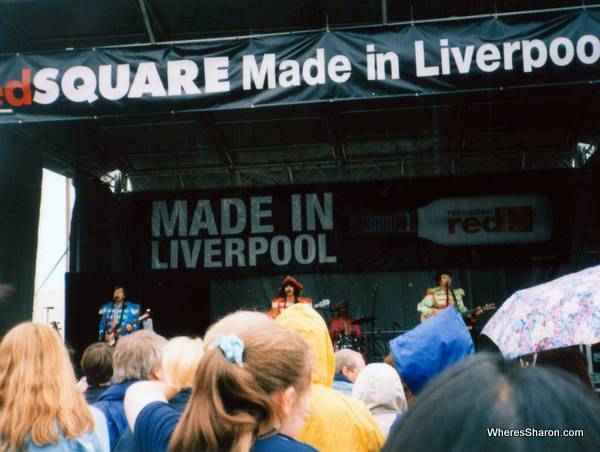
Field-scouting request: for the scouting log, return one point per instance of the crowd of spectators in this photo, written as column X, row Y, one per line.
column 258, row 384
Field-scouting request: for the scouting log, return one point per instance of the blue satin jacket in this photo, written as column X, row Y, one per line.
column 109, row 317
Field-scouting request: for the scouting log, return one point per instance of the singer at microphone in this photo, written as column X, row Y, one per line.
column 118, row 317
column 442, row 296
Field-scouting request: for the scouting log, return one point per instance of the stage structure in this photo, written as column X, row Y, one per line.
column 356, row 145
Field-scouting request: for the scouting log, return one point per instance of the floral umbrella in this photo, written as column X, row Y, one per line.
column 556, row 314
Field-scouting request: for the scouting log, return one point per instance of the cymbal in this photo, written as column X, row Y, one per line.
column 363, row 320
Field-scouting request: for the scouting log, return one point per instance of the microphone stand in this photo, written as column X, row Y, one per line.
column 372, row 338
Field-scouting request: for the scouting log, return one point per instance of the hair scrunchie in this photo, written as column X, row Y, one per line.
column 232, row 348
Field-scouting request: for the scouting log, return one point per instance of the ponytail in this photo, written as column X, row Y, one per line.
column 228, row 406
column 231, row 401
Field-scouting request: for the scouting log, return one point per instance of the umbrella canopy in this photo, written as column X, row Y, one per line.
column 556, row 314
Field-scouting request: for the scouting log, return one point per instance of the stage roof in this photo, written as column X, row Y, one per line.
column 41, row 25
column 453, row 134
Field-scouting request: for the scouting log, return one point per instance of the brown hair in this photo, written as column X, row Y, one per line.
column 230, row 404
column 97, row 363
column 38, row 396
column 410, row 397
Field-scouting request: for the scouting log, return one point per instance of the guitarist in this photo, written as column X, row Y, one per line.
column 118, row 317
column 442, row 296
column 289, row 294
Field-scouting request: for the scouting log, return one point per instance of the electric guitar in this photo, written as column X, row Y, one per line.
column 113, row 335
column 472, row 318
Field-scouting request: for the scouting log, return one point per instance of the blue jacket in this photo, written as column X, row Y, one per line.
column 111, row 404
column 128, row 443
column 431, row 347
column 342, row 384
column 131, row 313
column 96, row 441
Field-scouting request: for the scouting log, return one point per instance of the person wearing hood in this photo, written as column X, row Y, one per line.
column 431, row 347
column 380, row 388
column 336, row 422
column 289, row 295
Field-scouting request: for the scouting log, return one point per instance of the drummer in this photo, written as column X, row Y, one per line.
column 344, row 332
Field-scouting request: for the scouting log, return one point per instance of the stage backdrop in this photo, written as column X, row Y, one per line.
column 20, row 193
column 354, row 244
column 490, row 53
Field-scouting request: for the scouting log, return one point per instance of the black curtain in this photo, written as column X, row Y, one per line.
column 20, row 192
column 99, row 230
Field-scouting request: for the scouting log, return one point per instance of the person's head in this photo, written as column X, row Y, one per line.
column 180, row 358
column 349, row 363
column 465, row 407
column 97, row 363
column 343, row 308
column 303, row 320
column 138, row 356
column 250, row 381
column 443, row 278
column 380, row 388
column 118, row 293
column 290, row 287
column 38, row 389
column 290, row 290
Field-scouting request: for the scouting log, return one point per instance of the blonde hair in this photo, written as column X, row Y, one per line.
column 38, row 395
column 180, row 359
column 137, row 356
column 230, row 404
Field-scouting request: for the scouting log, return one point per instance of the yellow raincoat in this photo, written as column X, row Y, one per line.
column 337, row 423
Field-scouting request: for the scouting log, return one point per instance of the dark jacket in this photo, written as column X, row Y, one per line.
column 341, row 377
column 127, row 443
column 111, row 404
column 93, row 392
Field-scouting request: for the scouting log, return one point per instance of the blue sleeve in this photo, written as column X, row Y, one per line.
column 281, row 443
column 154, row 426
column 102, row 326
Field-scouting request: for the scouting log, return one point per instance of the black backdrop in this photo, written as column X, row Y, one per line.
column 105, row 247
column 179, row 302
column 115, row 232
column 20, row 191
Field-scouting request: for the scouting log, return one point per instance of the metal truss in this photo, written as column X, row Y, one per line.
column 396, row 167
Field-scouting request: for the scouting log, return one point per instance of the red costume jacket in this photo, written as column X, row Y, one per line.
column 278, row 305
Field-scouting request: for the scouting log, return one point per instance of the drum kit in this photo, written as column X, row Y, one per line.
column 371, row 344
column 352, row 341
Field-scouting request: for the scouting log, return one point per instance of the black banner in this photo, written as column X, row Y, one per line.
column 388, row 61
column 374, row 226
